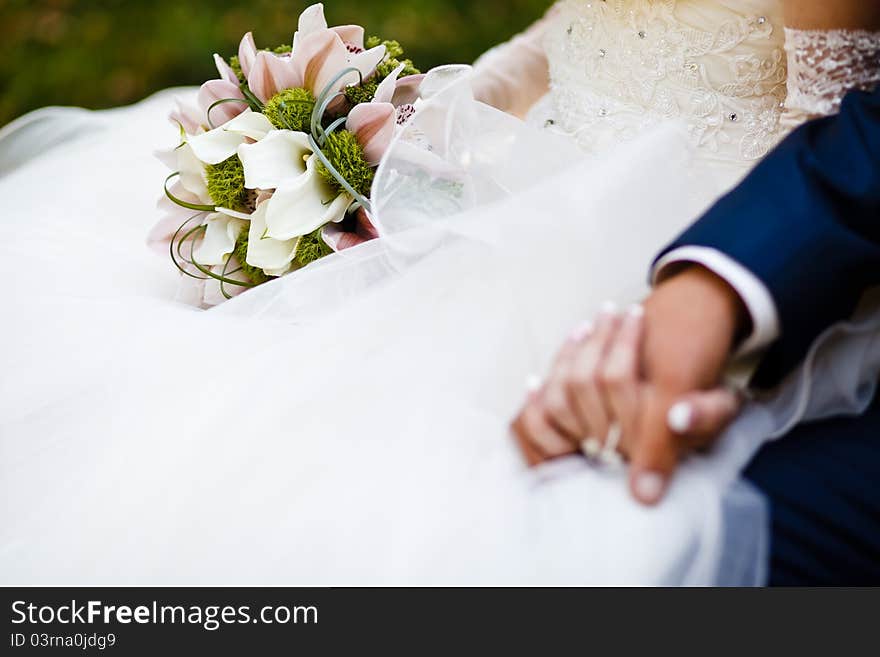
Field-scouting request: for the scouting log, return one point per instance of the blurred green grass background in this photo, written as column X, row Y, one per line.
column 103, row 53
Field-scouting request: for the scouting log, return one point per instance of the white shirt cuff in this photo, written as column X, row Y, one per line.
column 755, row 296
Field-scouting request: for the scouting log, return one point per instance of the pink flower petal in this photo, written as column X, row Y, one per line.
column 373, row 125
column 319, row 57
column 385, row 90
column 159, row 237
column 178, row 191
column 247, row 54
column 188, row 116
column 338, row 239
column 351, row 34
column 311, row 20
column 366, row 62
column 225, row 70
column 406, row 92
column 271, row 74
column 365, row 227
column 214, row 90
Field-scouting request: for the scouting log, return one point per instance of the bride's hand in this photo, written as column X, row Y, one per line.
column 636, row 374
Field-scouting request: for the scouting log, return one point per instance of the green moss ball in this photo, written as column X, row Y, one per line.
column 345, row 153
column 226, row 184
column 311, row 247
column 291, row 109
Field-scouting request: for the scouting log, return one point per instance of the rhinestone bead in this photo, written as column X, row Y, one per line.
column 733, row 116
column 762, row 20
column 603, row 111
column 549, row 123
column 602, row 52
column 642, row 34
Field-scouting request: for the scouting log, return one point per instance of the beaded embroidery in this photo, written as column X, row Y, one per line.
column 624, row 65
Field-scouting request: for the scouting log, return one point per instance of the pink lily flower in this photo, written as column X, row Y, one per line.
column 187, row 116
column 227, row 86
column 194, row 118
column 247, row 54
column 313, row 20
column 319, row 56
column 339, row 239
column 375, row 123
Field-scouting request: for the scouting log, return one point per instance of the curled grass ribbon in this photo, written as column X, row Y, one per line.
column 327, row 96
column 177, row 244
column 342, row 181
column 222, row 101
column 185, row 204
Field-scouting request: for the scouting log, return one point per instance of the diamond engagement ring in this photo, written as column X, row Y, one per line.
column 610, row 455
column 591, row 448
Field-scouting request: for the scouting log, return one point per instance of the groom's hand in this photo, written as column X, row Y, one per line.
column 652, row 373
column 691, row 325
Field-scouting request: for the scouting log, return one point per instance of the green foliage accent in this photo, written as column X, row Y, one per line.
column 309, row 248
column 226, row 183
column 393, row 52
column 256, row 275
column 393, row 49
column 364, row 93
column 387, row 67
column 290, row 110
column 235, row 65
column 346, row 154
column 393, row 58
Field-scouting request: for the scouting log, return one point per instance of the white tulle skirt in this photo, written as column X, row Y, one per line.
column 348, row 424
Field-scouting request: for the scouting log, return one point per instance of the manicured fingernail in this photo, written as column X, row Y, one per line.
column 533, row 383
column 680, row 417
column 609, row 308
column 582, row 331
column 649, row 486
column 636, row 311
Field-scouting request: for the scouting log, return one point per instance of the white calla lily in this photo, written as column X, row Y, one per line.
column 303, row 201
column 221, row 143
column 192, row 173
column 280, row 156
column 218, row 242
column 271, row 255
column 304, row 204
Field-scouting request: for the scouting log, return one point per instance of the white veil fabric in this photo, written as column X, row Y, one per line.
column 347, row 424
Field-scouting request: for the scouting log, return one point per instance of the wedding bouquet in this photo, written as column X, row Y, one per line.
column 276, row 161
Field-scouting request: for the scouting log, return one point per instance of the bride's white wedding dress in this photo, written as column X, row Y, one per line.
column 348, row 424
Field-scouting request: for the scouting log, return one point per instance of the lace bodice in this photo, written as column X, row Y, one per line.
column 619, row 66
column 824, row 64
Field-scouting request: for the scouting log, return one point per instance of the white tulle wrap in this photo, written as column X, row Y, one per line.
column 347, row 424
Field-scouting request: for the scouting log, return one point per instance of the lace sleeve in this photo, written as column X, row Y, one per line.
column 515, row 75
column 823, row 65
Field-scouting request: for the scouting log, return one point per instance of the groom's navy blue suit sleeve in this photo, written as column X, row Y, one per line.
column 806, row 223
